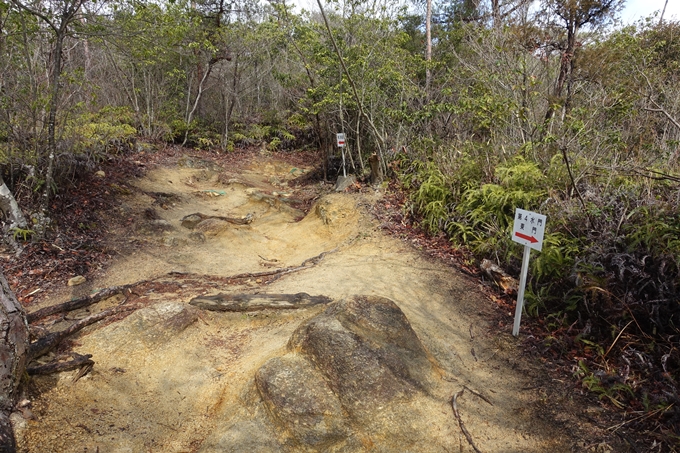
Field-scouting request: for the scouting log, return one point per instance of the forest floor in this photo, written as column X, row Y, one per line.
column 175, row 390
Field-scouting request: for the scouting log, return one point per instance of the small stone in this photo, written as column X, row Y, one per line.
column 100, row 174
column 169, row 241
column 259, row 280
column 161, row 223
column 212, row 227
column 189, row 222
column 197, row 236
column 77, row 280
column 344, row 182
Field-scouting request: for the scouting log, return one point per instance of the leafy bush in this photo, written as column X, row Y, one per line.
column 108, row 131
column 610, row 260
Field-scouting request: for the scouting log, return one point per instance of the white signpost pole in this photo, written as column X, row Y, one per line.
column 341, row 145
column 520, row 291
column 528, row 229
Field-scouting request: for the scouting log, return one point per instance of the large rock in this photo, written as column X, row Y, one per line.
column 212, row 227
column 368, row 352
column 249, row 436
column 353, row 373
column 147, row 328
column 299, row 398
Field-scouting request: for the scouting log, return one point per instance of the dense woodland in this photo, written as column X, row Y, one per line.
column 475, row 107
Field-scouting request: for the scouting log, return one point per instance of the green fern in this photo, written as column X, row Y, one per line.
column 23, row 233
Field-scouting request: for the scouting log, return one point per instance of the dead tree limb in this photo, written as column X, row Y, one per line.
column 460, row 421
column 57, row 366
column 255, row 302
column 45, row 344
column 235, row 220
column 86, row 301
column 477, row 394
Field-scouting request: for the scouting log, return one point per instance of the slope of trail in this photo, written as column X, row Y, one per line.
column 170, row 378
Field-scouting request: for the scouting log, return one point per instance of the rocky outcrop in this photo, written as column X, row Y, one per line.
column 349, row 366
column 367, row 350
column 300, row 399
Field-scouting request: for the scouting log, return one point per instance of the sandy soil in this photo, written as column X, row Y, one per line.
column 154, row 389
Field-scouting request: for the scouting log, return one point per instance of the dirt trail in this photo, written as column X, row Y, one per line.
column 184, row 386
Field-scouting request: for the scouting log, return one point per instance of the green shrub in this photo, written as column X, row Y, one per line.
column 108, row 131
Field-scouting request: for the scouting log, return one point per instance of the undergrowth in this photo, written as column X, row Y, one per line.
column 606, row 280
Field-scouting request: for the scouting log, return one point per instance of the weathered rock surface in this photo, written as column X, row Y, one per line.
column 197, row 236
column 344, row 182
column 354, row 369
column 300, row 399
column 367, row 350
column 150, row 327
column 212, row 227
column 250, row 436
column 77, row 280
column 191, row 221
column 328, row 211
column 161, row 225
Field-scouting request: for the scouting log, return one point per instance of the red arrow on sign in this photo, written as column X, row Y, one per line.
column 531, row 239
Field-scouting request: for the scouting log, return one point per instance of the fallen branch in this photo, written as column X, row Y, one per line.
column 477, row 394
column 460, row 421
column 255, row 302
column 82, row 302
column 236, row 221
column 47, row 343
column 58, row 366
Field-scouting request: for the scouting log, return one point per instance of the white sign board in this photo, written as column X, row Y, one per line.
column 528, row 228
column 341, row 139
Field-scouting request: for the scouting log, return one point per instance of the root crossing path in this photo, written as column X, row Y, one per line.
column 169, row 376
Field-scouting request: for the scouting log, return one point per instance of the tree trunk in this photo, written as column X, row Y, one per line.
column 52, row 117
column 13, row 353
column 230, row 102
column 663, row 11
column 428, row 47
column 201, row 88
column 496, row 13
column 9, row 209
column 564, row 76
column 376, row 171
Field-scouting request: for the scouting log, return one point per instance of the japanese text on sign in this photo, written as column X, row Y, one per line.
column 528, row 228
column 341, row 139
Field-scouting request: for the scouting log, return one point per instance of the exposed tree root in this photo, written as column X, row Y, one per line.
column 276, row 273
column 57, row 366
column 254, row 302
column 86, row 301
column 477, row 394
column 460, row 421
column 47, row 343
column 220, row 302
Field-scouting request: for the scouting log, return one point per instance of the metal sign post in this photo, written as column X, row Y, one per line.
column 528, row 229
column 341, row 145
